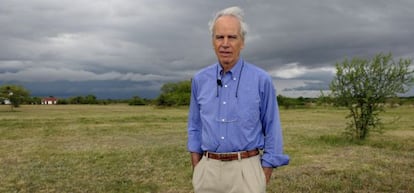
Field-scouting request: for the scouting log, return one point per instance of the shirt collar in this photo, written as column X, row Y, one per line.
column 235, row 71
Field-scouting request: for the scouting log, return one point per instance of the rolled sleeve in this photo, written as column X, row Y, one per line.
column 274, row 161
column 273, row 155
column 194, row 123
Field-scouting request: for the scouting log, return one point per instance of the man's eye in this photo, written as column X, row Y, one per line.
column 232, row 37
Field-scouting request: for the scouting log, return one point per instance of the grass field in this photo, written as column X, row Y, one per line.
column 120, row 148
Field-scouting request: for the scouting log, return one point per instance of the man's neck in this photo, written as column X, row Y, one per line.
column 229, row 66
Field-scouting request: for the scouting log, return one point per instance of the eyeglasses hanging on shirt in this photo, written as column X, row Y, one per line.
column 220, row 83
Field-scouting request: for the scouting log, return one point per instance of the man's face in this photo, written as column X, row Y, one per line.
column 227, row 41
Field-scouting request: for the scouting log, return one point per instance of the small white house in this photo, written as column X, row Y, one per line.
column 7, row 102
column 49, row 101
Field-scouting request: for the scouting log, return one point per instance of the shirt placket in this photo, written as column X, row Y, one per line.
column 224, row 102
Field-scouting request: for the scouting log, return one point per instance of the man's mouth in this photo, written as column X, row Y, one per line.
column 224, row 53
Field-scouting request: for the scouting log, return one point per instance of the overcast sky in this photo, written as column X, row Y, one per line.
column 125, row 48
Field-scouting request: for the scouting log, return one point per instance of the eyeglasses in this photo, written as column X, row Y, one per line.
column 219, row 83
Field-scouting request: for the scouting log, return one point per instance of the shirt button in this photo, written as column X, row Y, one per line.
column 234, row 78
column 222, row 137
column 225, row 85
column 224, row 102
column 223, row 120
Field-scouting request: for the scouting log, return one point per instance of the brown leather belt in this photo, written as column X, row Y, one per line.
column 232, row 156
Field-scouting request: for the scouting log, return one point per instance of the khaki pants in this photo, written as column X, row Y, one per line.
column 238, row 176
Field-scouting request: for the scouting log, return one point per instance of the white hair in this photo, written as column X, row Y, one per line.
column 231, row 11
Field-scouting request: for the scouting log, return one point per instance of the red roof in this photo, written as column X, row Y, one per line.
column 49, row 99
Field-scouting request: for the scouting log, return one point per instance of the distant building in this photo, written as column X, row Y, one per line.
column 7, row 102
column 49, row 100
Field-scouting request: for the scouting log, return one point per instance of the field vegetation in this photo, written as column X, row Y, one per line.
column 122, row 148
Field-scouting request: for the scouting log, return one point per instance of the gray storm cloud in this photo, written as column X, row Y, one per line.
column 153, row 42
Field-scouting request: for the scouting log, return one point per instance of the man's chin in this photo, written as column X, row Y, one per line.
column 225, row 62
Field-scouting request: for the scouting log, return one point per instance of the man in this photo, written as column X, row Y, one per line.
column 234, row 132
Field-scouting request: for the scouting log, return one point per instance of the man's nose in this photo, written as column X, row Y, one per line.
column 225, row 42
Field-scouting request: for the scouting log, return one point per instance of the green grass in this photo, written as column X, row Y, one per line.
column 120, row 148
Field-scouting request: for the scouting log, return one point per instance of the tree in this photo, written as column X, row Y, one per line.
column 287, row 102
column 76, row 100
column 14, row 93
column 136, row 100
column 34, row 100
column 175, row 94
column 90, row 99
column 363, row 85
column 324, row 99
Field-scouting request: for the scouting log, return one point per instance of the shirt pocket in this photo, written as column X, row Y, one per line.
column 249, row 111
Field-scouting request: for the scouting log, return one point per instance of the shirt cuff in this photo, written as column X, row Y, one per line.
column 275, row 161
column 195, row 149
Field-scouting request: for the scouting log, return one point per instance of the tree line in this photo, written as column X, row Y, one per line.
column 360, row 85
column 18, row 99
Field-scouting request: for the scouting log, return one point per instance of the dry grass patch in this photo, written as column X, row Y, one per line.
column 120, row 148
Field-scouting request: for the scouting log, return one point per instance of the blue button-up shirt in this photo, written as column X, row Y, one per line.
column 241, row 114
